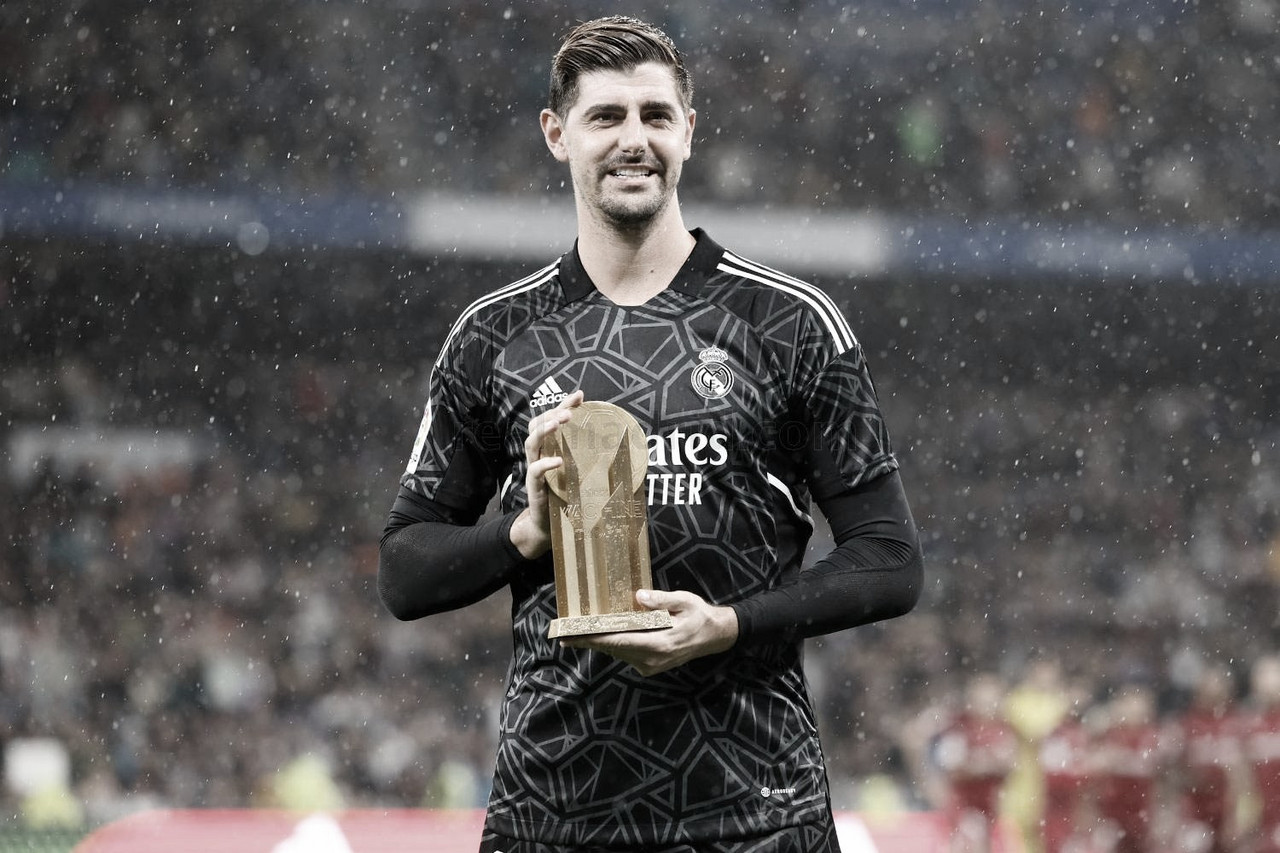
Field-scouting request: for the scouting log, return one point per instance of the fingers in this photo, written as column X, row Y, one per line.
column 573, row 401
column 673, row 600
column 538, row 468
column 539, row 428
column 548, row 422
column 531, row 531
column 698, row 629
column 645, row 651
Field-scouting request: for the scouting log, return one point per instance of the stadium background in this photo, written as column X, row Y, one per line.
column 233, row 239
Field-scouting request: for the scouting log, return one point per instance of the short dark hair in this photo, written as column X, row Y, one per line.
column 614, row 43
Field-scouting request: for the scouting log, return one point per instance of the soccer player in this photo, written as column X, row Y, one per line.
column 1262, row 750
column 1131, row 754
column 976, row 751
column 1064, row 760
column 757, row 403
column 1209, row 733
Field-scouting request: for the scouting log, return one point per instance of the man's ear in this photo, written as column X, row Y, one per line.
column 688, row 134
column 553, row 133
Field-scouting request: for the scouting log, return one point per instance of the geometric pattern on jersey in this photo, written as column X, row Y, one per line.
column 590, row 752
column 809, row 838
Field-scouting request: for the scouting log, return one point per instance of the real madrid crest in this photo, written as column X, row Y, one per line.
column 712, row 378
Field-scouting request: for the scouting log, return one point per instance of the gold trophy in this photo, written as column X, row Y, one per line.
column 600, row 523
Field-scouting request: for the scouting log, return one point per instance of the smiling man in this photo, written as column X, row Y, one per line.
column 625, row 147
column 757, row 402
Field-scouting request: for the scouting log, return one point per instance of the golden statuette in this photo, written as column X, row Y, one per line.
column 600, row 523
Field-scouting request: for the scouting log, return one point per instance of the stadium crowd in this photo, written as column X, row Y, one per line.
column 201, row 627
column 1119, row 112
column 188, row 615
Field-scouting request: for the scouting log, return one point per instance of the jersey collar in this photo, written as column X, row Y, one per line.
column 697, row 268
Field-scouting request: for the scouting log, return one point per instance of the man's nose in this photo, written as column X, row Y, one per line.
column 632, row 137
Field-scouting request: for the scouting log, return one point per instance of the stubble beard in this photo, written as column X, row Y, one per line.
column 633, row 214
column 627, row 212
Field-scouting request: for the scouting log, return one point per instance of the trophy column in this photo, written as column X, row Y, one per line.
column 600, row 524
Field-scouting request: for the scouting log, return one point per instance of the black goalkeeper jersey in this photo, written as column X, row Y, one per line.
column 738, row 375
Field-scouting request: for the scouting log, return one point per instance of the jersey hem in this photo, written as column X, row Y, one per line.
column 696, row 831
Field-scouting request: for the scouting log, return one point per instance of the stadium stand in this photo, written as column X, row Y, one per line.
column 202, row 439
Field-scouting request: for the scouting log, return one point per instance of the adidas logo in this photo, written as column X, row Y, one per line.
column 549, row 393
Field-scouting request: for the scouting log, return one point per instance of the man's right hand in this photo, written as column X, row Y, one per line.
column 531, row 531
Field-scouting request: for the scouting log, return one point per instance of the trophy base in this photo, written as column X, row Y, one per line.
column 609, row 623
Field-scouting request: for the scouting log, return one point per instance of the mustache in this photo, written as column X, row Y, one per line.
column 631, row 163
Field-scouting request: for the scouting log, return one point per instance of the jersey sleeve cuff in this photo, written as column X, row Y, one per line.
column 504, row 534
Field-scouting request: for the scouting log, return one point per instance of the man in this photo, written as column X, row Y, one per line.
column 756, row 401
column 1262, row 751
column 977, row 751
column 1209, row 734
column 1131, row 755
column 1064, row 761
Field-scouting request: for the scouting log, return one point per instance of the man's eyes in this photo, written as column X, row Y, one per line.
column 657, row 117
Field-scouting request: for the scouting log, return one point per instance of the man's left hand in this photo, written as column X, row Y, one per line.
column 697, row 629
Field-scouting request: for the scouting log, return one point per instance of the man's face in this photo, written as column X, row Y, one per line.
column 625, row 138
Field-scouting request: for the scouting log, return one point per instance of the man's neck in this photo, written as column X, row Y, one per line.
column 630, row 267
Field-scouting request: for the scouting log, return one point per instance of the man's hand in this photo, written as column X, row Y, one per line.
column 698, row 629
column 531, row 531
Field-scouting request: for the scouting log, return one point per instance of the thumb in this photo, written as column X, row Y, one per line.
column 658, row 599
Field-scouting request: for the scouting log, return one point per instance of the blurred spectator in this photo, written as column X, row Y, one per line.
column 38, row 772
column 305, row 784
